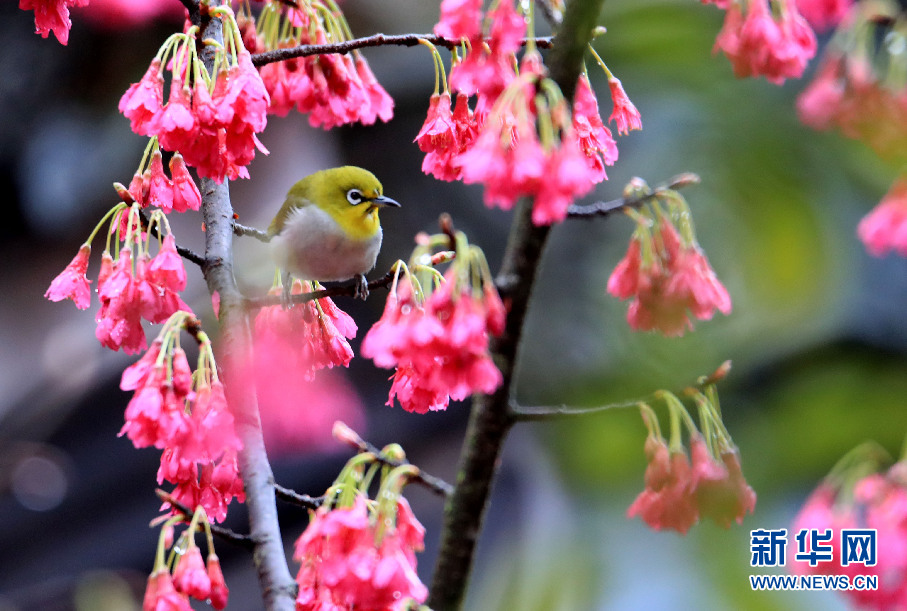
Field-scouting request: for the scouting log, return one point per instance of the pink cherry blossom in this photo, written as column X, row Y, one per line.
column 884, row 229
column 52, row 16
column 625, row 116
column 72, row 283
column 190, row 576
column 343, row 565
column 824, row 14
column 460, row 19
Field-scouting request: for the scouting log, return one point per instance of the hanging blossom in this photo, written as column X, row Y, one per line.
column 333, row 89
column 187, row 417
column 680, row 491
column 52, row 16
column 360, row 554
column 666, row 274
column 185, row 575
column 824, row 14
column 855, row 496
column 298, row 400
column 488, row 67
column 438, row 340
column 856, row 87
column 520, row 152
column 131, row 287
column 152, row 187
column 211, row 119
column 884, row 229
column 766, row 38
column 446, row 133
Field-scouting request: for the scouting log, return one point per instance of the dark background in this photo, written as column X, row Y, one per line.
column 816, row 336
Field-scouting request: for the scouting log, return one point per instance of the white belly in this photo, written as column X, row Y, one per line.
column 312, row 246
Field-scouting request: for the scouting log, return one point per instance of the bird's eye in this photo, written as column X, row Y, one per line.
column 354, row 196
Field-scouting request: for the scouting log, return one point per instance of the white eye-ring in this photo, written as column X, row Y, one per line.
column 354, row 196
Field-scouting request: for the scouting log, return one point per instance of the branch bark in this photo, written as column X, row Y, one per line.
column 277, row 584
column 491, row 419
column 375, row 40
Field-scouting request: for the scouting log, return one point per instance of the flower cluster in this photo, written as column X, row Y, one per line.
column 766, row 38
column 856, row 90
column 438, row 341
column 824, row 14
column 665, row 272
column 187, row 417
column 131, row 287
column 333, row 89
column 212, row 119
column 185, row 575
column 853, row 89
column 357, row 553
column 522, row 139
column 680, row 490
column 52, row 16
column 855, row 496
column 176, row 193
column 297, row 406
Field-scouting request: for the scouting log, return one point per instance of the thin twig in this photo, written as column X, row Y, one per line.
column 348, row 290
column 258, row 234
column 615, row 205
column 435, row 484
column 243, row 541
column 185, row 253
column 555, row 412
column 376, row 40
column 561, row 412
column 303, row 500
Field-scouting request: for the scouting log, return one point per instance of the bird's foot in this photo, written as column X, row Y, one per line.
column 360, row 288
column 286, row 294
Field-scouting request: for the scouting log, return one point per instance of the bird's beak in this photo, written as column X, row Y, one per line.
column 384, row 202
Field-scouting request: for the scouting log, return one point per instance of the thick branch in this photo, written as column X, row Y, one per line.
column 376, row 40
column 490, row 419
column 277, row 584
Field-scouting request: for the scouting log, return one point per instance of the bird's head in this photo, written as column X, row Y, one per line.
column 351, row 195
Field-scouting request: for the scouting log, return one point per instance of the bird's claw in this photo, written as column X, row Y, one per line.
column 360, row 288
column 286, row 294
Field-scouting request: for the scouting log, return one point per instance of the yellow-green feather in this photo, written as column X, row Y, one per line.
column 327, row 189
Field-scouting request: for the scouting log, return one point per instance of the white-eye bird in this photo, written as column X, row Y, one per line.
column 328, row 227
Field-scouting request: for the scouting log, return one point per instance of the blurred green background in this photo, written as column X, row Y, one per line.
column 816, row 336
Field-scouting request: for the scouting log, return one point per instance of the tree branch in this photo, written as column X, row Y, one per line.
column 277, row 584
column 376, row 40
column 189, row 255
column 561, row 412
column 615, row 205
column 558, row 412
column 490, row 419
column 435, row 484
column 302, row 500
column 243, row 541
column 349, row 290
column 258, row 234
